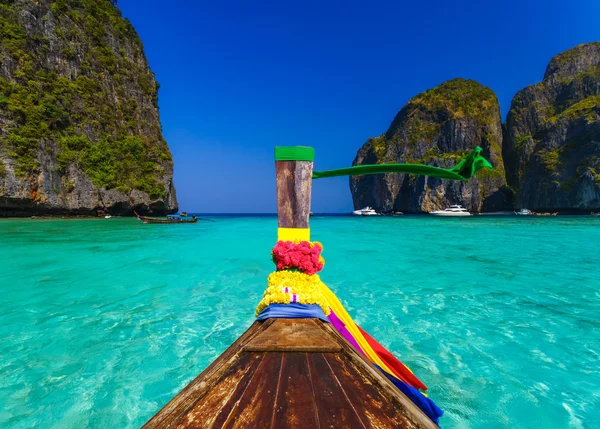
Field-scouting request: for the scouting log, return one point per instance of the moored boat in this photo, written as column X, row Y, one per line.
column 367, row 211
column 595, row 214
column 524, row 212
column 452, row 211
column 168, row 220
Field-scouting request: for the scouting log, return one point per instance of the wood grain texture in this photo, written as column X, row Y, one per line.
column 294, row 185
column 256, row 384
column 333, row 407
column 185, row 399
column 365, row 396
column 415, row 418
column 299, row 335
column 214, row 410
column 256, row 407
column 295, row 405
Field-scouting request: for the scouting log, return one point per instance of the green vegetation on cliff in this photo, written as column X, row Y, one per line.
column 82, row 90
column 423, row 118
column 551, row 139
column 437, row 127
column 572, row 54
column 458, row 99
column 585, row 108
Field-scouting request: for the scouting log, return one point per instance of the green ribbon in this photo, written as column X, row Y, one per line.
column 464, row 170
column 294, row 153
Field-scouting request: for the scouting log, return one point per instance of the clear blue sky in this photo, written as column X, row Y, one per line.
column 240, row 77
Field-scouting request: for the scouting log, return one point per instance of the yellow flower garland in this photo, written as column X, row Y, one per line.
column 286, row 286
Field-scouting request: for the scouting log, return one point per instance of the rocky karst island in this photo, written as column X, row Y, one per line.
column 546, row 156
column 79, row 123
column 80, row 129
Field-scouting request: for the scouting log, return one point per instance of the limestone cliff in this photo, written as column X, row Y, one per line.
column 79, row 123
column 552, row 135
column 437, row 127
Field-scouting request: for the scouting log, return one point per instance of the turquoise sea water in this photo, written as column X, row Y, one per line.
column 103, row 321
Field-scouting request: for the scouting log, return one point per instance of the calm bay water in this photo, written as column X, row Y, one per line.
column 103, row 321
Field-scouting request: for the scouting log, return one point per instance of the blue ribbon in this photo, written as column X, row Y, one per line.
column 292, row 311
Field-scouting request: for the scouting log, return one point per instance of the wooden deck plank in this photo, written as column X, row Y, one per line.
column 383, row 385
column 213, row 410
column 295, row 405
column 185, row 399
column 255, row 407
column 298, row 335
column 333, row 407
column 377, row 410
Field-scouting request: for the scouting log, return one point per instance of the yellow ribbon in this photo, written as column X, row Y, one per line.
column 293, row 234
column 342, row 314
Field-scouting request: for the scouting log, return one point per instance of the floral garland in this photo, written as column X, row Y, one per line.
column 303, row 256
column 286, row 287
column 295, row 280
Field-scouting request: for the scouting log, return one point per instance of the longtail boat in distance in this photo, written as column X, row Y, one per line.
column 304, row 362
column 168, row 220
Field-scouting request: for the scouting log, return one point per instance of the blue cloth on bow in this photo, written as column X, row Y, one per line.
column 292, row 311
column 423, row 402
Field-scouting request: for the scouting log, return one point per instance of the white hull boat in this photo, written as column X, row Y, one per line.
column 452, row 211
column 524, row 212
column 367, row 211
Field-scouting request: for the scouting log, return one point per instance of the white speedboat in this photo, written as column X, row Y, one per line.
column 524, row 212
column 367, row 211
column 454, row 211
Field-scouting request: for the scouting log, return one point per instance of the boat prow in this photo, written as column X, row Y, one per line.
column 290, row 373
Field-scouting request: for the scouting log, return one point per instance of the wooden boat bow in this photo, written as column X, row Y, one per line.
column 295, row 370
column 290, row 373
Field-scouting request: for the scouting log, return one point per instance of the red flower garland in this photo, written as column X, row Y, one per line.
column 303, row 256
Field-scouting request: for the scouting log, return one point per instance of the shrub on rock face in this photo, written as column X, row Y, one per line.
column 552, row 142
column 78, row 104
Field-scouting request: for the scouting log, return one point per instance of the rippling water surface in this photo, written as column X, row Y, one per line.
column 103, row 321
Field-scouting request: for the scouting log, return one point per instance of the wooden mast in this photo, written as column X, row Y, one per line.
column 294, row 168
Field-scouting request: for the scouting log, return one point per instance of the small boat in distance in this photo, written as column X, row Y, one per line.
column 524, row 212
column 367, row 211
column 595, row 214
column 168, row 220
column 183, row 214
column 454, row 210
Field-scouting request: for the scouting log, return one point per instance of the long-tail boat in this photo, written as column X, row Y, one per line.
column 168, row 220
column 304, row 363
